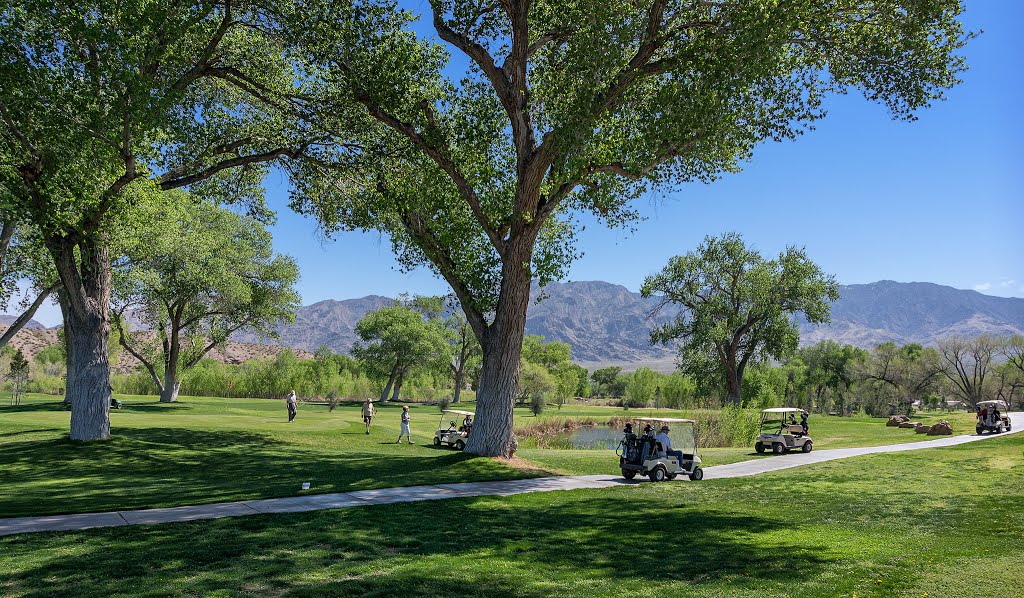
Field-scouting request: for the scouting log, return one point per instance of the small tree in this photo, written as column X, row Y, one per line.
column 195, row 273
column 395, row 340
column 738, row 306
column 641, row 388
column 18, row 374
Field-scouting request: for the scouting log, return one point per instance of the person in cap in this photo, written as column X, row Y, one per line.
column 666, row 445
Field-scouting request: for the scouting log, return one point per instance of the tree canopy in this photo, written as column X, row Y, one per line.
column 737, row 307
column 195, row 273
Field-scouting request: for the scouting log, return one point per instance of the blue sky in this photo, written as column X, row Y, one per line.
column 937, row 200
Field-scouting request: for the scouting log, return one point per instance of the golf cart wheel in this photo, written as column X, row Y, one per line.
column 658, row 474
column 437, row 441
column 460, row 445
column 697, row 475
column 778, row 448
column 759, row 447
column 629, row 474
column 807, row 446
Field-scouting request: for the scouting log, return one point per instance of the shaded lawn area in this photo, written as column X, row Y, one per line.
column 211, row 450
column 203, row 450
column 884, row 525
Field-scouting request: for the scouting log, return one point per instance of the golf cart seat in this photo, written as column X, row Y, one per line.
column 795, row 429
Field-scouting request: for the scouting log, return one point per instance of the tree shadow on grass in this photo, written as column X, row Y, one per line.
column 154, row 467
column 33, row 407
column 522, row 546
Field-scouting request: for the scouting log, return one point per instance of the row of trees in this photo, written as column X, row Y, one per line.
column 829, row 377
column 475, row 174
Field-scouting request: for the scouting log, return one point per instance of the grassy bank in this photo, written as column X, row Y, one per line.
column 909, row 524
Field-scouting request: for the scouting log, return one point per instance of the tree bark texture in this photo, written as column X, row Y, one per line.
column 86, row 282
column 387, row 387
column 398, row 385
column 502, row 347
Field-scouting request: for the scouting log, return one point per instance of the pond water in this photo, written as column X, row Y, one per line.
column 592, row 438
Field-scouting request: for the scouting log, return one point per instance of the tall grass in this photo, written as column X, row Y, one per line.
column 726, row 427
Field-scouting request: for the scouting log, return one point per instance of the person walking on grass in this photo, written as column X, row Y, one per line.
column 293, row 406
column 405, row 426
column 368, row 412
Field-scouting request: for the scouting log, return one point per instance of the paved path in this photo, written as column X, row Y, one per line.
column 317, row 502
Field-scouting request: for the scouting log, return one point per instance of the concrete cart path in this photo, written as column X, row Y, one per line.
column 317, row 502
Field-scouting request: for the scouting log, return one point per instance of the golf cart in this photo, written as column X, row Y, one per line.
column 454, row 435
column 987, row 419
column 640, row 454
column 780, row 432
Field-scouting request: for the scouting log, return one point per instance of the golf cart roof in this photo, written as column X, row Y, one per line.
column 783, row 410
column 458, row 412
column 665, row 420
column 993, row 403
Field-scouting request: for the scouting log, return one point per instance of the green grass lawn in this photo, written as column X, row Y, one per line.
column 922, row 523
column 204, row 450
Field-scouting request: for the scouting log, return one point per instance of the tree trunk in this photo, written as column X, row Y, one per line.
column 460, row 381
column 86, row 282
column 398, row 385
column 733, row 382
column 68, row 367
column 502, row 347
column 89, row 377
column 387, row 387
column 169, row 391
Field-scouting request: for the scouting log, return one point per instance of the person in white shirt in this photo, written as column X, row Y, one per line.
column 405, row 426
column 666, row 445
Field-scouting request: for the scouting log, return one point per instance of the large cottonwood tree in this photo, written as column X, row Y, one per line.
column 101, row 99
column 736, row 307
column 194, row 273
column 582, row 106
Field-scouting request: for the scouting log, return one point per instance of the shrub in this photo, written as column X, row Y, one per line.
column 444, row 402
column 537, row 403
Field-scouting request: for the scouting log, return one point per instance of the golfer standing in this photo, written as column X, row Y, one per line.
column 405, row 426
column 368, row 413
column 293, row 406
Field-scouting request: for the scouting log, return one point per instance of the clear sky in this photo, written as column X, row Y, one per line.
column 937, row 200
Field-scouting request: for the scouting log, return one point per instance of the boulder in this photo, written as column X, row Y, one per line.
column 922, row 429
column 941, row 429
column 896, row 420
column 909, row 425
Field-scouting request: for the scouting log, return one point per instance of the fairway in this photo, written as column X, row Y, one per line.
column 204, row 450
column 884, row 525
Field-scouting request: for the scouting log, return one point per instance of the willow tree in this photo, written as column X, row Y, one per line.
column 103, row 100
column 582, row 107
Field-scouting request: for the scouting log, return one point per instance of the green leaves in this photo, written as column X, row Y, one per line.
column 737, row 306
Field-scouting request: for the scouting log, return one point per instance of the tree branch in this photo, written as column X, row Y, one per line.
column 26, row 316
column 122, row 338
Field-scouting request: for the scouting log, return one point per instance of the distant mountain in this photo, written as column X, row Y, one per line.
column 331, row 323
column 609, row 324
column 7, row 320
column 919, row 312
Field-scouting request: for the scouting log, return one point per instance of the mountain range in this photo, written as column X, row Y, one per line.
column 607, row 324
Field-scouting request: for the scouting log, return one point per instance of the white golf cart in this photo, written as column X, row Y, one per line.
column 781, row 432
column 989, row 422
column 454, row 435
column 644, row 455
